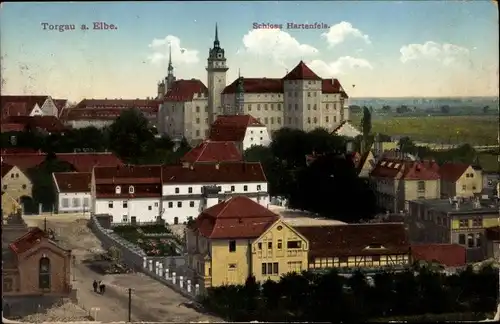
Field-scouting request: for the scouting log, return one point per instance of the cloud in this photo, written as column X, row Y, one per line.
column 446, row 54
column 340, row 66
column 180, row 55
column 340, row 32
column 276, row 44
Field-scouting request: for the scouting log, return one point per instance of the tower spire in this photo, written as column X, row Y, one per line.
column 170, row 66
column 216, row 41
column 239, row 73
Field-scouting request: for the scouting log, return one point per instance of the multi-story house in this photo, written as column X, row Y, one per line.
column 15, row 182
column 398, row 181
column 72, row 191
column 127, row 193
column 30, row 106
column 452, row 222
column 460, row 180
column 184, row 193
column 301, row 99
column 244, row 130
column 103, row 112
column 237, row 238
column 492, row 246
column 212, row 152
column 349, row 247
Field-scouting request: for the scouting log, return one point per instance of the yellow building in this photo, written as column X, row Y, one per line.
column 9, row 205
column 396, row 182
column 461, row 221
column 460, row 180
column 237, row 238
column 349, row 247
column 15, row 182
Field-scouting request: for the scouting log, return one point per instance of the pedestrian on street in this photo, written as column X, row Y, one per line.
column 94, row 284
column 102, row 288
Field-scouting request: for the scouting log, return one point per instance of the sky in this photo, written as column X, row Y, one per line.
column 375, row 49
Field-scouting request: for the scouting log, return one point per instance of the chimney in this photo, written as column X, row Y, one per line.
column 457, row 205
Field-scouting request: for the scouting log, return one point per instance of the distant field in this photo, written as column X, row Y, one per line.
column 474, row 130
column 489, row 162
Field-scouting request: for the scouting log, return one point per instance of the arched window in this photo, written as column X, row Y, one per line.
column 44, row 273
column 131, row 189
column 118, row 190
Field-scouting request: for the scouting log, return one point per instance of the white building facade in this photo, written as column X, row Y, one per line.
column 125, row 210
column 72, row 192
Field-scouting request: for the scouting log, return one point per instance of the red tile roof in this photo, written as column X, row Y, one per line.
column 19, row 150
column 232, row 128
column 102, row 113
column 451, row 172
column 128, row 174
column 236, row 218
column 50, row 124
column 67, row 182
column 224, row 172
column 274, row 85
column 14, row 109
column 184, row 90
column 301, row 72
column 355, row 239
column 449, row 255
column 12, row 127
column 6, row 168
column 118, row 104
column 20, row 105
column 405, row 170
column 28, row 240
column 24, row 161
column 84, row 162
column 211, row 151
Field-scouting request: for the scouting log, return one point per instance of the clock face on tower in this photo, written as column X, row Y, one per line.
column 218, row 79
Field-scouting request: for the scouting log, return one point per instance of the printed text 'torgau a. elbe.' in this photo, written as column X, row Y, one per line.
column 99, row 25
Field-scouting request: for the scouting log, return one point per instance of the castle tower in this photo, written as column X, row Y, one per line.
column 170, row 79
column 239, row 97
column 216, row 77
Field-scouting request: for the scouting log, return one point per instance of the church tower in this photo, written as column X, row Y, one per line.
column 216, row 77
column 170, row 79
column 239, row 96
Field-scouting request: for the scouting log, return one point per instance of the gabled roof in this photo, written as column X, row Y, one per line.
column 12, row 127
column 452, row 171
column 405, row 170
column 184, row 90
column 128, row 174
column 72, row 182
column 24, row 161
column 85, row 162
column 355, row 239
column 212, row 151
column 117, row 103
column 346, row 129
column 224, row 172
column 20, row 105
column 50, row 124
column 6, row 168
column 232, row 128
column 236, row 218
column 301, row 72
column 449, row 255
column 28, row 240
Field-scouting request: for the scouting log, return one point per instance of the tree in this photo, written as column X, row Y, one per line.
column 366, row 127
column 327, row 185
column 131, row 136
column 386, row 109
column 486, row 109
column 445, row 109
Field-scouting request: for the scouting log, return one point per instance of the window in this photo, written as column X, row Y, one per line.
column 125, row 218
column 232, row 188
column 421, row 186
column 170, row 204
column 258, row 106
column 110, row 204
column 176, row 190
column 245, row 188
column 131, row 189
column 269, row 245
column 65, row 202
column 118, row 190
column 191, row 204
column 86, row 202
column 150, row 207
column 308, row 94
column 179, row 204
column 231, row 266
column 197, row 120
column 24, row 186
column 280, row 244
column 278, row 120
column 156, row 204
column 315, row 107
column 258, row 188
column 266, row 120
column 232, row 246
column 12, row 175
column 477, row 222
column 125, row 204
column 464, row 187
column 308, row 106
column 327, row 119
column 293, row 244
column 470, row 240
column 265, row 106
column 315, row 120
column 197, row 133
column 190, row 190
column 7, row 284
column 44, row 273
column 461, row 239
column 5, row 187
column 463, row 223
column 270, row 268
column 259, row 246
column 197, row 109
column 478, row 240
column 308, row 120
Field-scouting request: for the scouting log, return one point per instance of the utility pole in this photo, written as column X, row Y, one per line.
column 130, row 305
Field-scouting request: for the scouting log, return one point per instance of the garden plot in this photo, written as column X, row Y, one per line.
column 154, row 240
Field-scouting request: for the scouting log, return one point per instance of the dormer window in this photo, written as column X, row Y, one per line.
column 118, row 190
column 131, row 189
column 374, row 246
